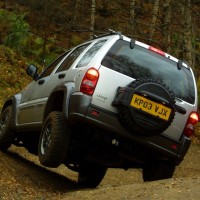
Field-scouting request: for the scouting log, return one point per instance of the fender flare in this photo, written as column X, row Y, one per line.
column 13, row 102
column 66, row 89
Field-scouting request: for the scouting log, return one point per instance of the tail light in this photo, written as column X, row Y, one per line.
column 89, row 81
column 158, row 51
column 189, row 127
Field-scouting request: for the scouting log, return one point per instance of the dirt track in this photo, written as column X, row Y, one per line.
column 22, row 177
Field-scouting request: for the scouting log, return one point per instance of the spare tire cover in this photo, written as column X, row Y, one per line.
column 146, row 107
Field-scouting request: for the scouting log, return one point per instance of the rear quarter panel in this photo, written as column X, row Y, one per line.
column 107, row 86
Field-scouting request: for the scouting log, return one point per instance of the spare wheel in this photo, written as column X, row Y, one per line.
column 146, row 107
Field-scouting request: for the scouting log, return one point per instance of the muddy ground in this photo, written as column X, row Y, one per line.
column 22, row 177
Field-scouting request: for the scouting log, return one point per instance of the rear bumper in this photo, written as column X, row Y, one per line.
column 81, row 111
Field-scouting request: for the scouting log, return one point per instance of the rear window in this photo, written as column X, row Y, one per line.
column 143, row 63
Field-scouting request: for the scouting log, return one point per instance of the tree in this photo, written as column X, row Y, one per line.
column 166, row 25
column 92, row 8
column 187, row 37
column 154, row 17
column 132, row 9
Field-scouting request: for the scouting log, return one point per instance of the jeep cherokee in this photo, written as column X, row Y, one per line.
column 111, row 102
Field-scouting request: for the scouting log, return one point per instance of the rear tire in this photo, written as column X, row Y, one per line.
column 158, row 170
column 54, row 140
column 91, row 176
column 6, row 133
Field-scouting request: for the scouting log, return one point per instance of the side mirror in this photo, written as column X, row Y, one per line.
column 31, row 70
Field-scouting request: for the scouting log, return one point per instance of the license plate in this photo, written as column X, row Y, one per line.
column 150, row 107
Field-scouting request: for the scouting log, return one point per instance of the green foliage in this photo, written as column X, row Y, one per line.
column 16, row 34
column 13, row 28
column 12, row 73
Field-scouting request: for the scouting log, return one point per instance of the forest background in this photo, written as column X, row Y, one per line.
column 37, row 31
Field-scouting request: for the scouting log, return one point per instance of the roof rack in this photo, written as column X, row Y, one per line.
column 111, row 32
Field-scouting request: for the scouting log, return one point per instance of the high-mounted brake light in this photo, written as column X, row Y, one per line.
column 189, row 127
column 158, row 51
column 89, row 81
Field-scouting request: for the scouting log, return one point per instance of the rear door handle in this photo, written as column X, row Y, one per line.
column 60, row 76
column 40, row 82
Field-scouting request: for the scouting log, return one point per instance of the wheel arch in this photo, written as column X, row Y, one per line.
column 9, row 102
column 13, row 102
column 59, row 99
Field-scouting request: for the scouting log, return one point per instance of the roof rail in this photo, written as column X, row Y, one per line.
column 111, row 32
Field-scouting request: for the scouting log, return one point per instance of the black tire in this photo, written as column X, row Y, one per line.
column 158, row 170
column 6, row 133
column 91, row 176
column 137, row 121
column 54, row 140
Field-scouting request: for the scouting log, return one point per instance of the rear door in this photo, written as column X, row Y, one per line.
column 123, row 64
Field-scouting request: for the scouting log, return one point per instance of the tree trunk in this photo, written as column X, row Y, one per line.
column 154, row 18
column 132, row 16
column 166, row 25
column 132, row 10
column 44, row 32
column 194, row 35
column 75, row 11
column 187, row 36
column 92, row 8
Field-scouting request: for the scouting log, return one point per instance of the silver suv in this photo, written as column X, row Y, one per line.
column 111, row 102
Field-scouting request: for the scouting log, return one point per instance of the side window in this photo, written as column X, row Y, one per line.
column 90, row 53
column 71, row 58
column 52, row 66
